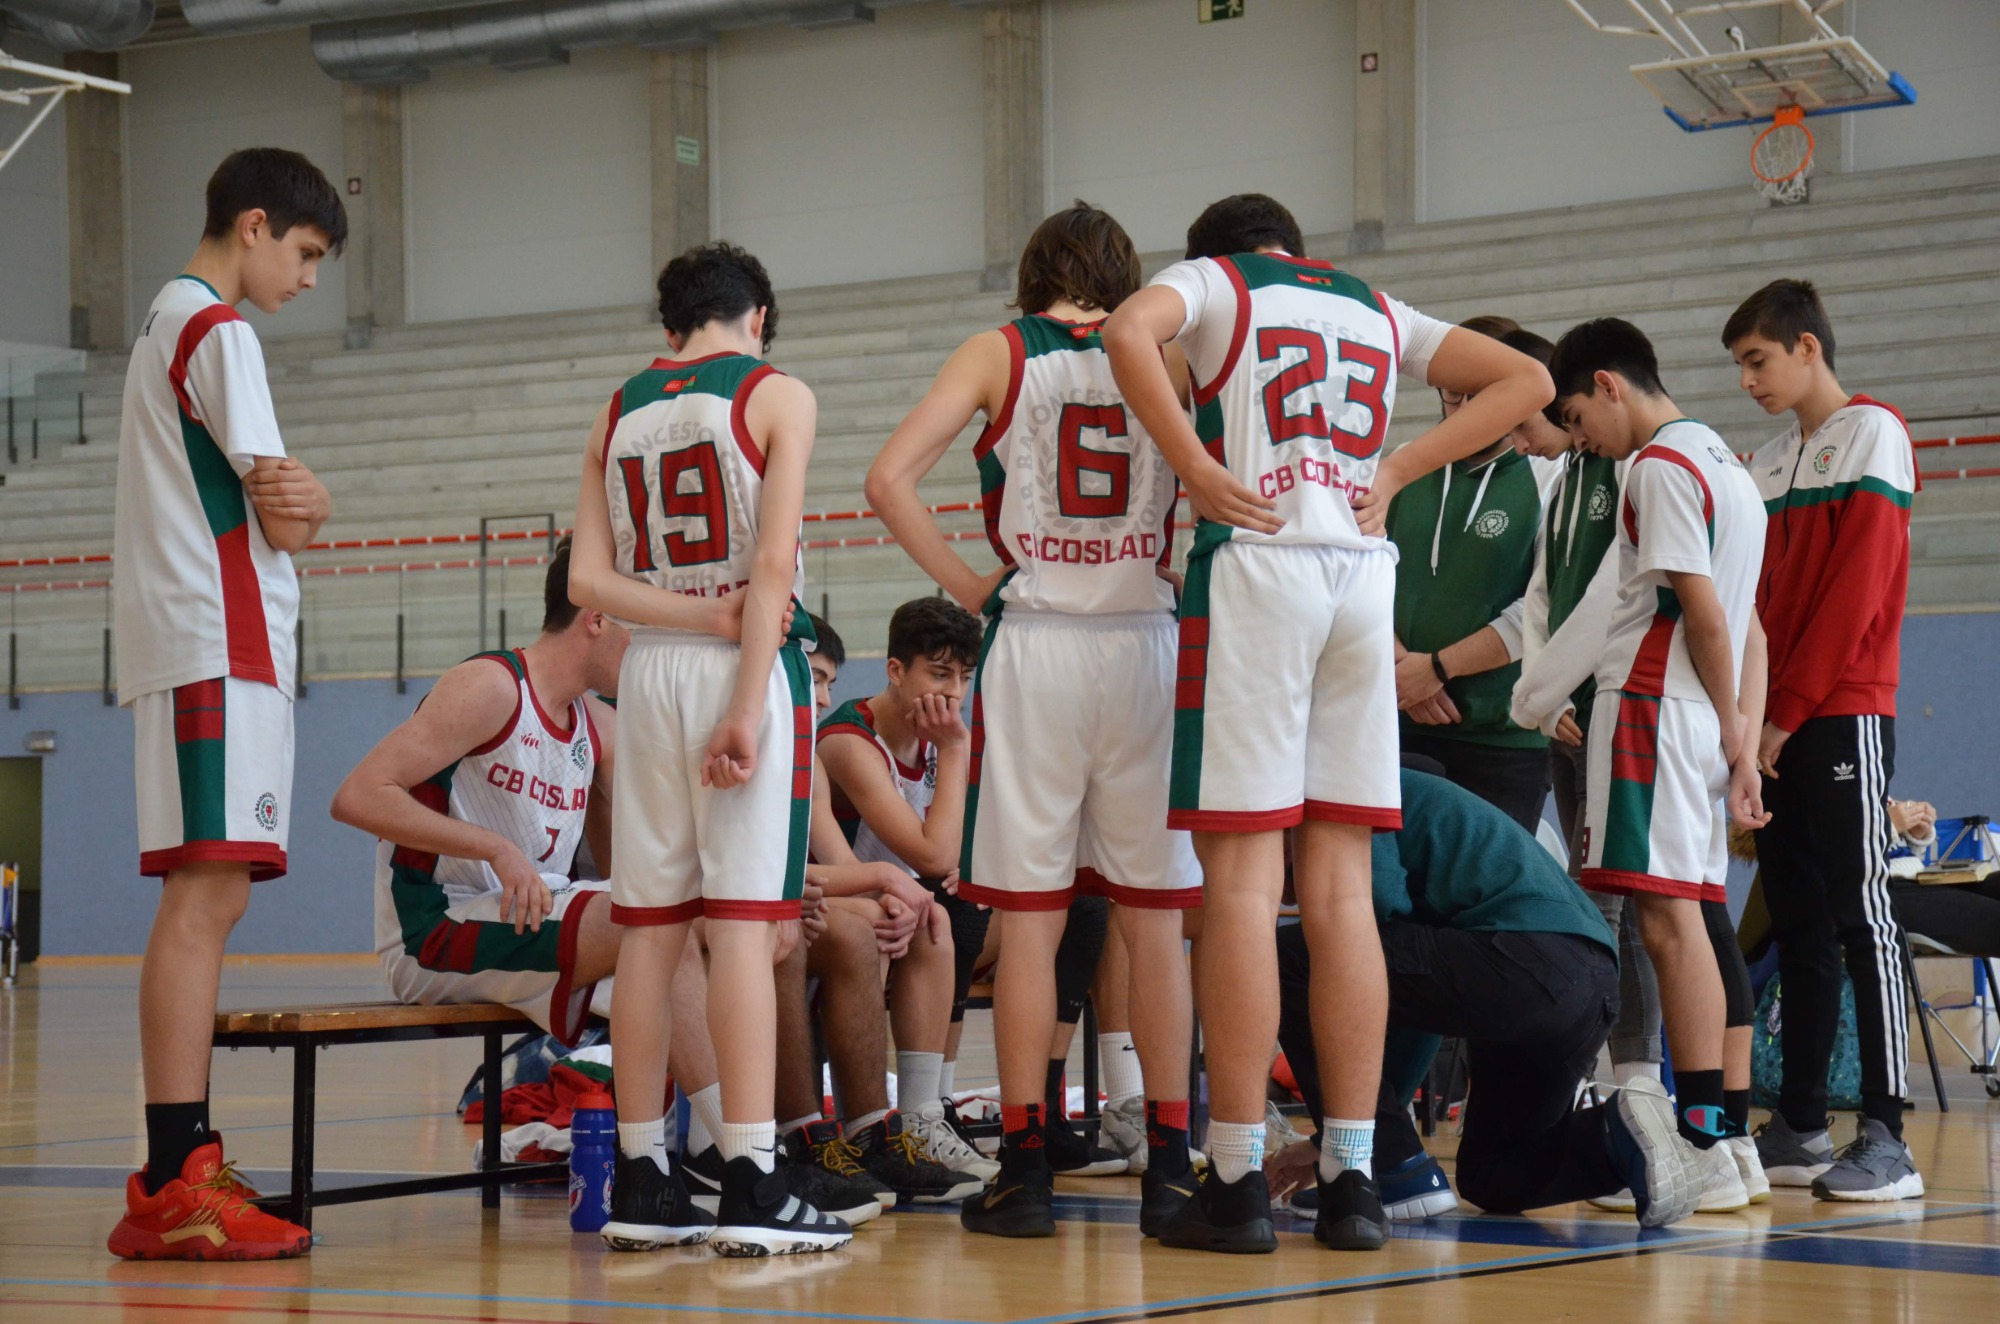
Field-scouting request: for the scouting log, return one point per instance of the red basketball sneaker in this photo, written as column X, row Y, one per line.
column 202, row 1215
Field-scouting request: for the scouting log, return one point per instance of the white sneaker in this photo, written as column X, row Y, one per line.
column 1749, row 1167
column 1278, row 1129
column 943, row 1144
column 1722, row 1189
column 1622, row 1203
column 1122, row 1129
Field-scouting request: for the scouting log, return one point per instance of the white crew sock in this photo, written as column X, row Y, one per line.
column 1624, row 1073
column 917, row 1076
column 644, row 1140
column 947, row 1078
column 1345, row 1143
column 1235, row 1148
column 799, row 1123
column 751, row 1140
column 704, row 1118
column 1120, row 1061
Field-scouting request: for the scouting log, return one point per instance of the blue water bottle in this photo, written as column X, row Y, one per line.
column 593, row 1150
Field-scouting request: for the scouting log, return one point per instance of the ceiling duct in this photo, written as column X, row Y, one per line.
column 532, row 33
column 219, row 18
column 82, row 25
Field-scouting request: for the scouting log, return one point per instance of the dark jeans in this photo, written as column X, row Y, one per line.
column 1533, row 1009
column 1514, row 781
column 1636, row 1036
column 1826, row 884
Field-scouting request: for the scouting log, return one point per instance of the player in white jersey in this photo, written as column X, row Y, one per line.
column 1070, row 714
column 209, row 511
column 1286, row 700
column 1680, row 681
column 479, row 801
column 687, row 528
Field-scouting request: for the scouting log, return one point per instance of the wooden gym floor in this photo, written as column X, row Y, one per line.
column 70, row 1130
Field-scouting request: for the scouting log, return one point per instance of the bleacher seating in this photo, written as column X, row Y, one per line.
column 436, row 425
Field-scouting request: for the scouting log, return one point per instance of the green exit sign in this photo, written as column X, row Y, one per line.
column 1214, row 11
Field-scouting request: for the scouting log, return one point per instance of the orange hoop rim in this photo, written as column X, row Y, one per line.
column 1786, row 117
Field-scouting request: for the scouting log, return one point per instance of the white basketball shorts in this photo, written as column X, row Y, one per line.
column 213, row 761
column 1653, row 815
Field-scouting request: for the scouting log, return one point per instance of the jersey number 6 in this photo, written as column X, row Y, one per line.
column 704, row 502
column 1074, row 460
column 1310, row 371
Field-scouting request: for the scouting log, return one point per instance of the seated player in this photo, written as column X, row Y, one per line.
column 480, row 800
column 1487, row 940
column 1680, row 672
column 1071, row 714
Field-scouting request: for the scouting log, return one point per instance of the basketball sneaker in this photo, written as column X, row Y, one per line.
column 1122, row 1128
column 1661, row 1170
column 1233, row 1218
column 826, row 1146
column 1351, row 1216
column 1749, row 1167
column 1070, row 1155
column 1876, row 1166
column 702, row 1174
column 760, row 1216
column 1722, row 1189
column 203, row 1214
column 650, row 1209
column 1792, row 1158
column 943, row 1144
column 850, row 1198
column 1018, row 1202
column 1162, row 1195
column 891, row 1156
column 1416, row 1188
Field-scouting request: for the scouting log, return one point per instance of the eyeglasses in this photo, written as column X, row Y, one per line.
column 1453, row 399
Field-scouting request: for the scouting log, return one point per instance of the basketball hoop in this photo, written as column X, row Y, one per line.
column 58, row 84
column 1781, row 158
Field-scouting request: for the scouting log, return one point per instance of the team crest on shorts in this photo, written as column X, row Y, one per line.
column 1823, row 459
column 267, row 812
column 579, row 754
column 1491, row 525
column 1600, row 502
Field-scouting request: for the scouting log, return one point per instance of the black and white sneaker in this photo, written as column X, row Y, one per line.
column 1661, row 1170
column 1070, row 1155
column 848, row 1198
column 651, row 1210
column 759, row 1216
column 703, row 1174
column 892, row 1156
column 1233, row 1218
column 834, row 1152
column 1351, row 1216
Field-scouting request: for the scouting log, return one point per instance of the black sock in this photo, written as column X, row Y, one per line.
column 1167, row 1137
column 1055, row 1094
column 1702, row 1121
column 1736, row 1111
column 173, row 1131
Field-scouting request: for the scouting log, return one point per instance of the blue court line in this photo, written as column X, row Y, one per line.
column 1637, row 1240
column 1873, row 1253
column 484, row 1298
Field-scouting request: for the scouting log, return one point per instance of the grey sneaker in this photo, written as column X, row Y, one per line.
column 1663, row 1172
column 1877, row 1166
column 1791, row 1158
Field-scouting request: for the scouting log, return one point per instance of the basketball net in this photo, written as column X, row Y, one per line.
column 1781, row 158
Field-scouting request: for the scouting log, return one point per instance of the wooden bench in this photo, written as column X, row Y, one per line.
column 305, row 1030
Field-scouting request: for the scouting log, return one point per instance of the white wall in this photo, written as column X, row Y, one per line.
column 1950, row 51
column 1526, row 108
column 856, row 153
column 34, row 217
column 192, row 104
column 530, row 191
column 1157, row 115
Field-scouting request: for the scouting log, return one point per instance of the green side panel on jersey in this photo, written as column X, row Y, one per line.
column 1184, row 785
column 978, row 746
column 1208, row 535
column 1628, row 815
column 215, row 480
column 802, row 632
column 847, row 714
column 992, row 473
column 799, row 680
column 1261, row 271
column 1208, row 424
column 420, row 903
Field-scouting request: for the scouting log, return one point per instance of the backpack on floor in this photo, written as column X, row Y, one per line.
column 1843, row 1075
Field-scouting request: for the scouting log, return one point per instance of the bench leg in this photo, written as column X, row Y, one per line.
column 305, row 1068
column 489, row 1191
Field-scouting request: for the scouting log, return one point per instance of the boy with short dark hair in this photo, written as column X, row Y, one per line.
column 210, row 510
column 1286, row 691
column 687, row 527
column 1837, row 486
column 1680, row 682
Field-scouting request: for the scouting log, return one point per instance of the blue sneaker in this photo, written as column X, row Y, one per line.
column 1662, row 1171
column 1416, row 1188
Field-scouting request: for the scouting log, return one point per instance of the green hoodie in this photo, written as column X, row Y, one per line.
column 1465, row 536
